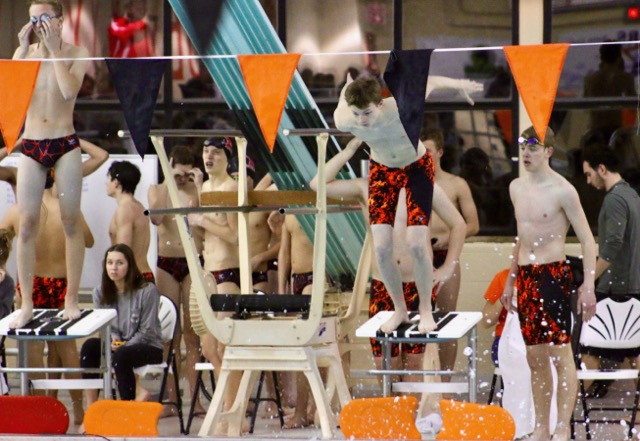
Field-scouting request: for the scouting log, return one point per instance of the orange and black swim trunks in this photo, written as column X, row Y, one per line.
column 544, row 302
column 148, row 276
column 48, row 292
column 380, row 300
column 385, row 184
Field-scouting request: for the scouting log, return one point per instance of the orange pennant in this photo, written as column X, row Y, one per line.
column 268, row 79
column 17, row 81
column 536, row 70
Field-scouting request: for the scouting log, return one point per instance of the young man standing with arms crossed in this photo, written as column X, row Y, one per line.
column 546, row 205
column 172, row 272
column 221, row 252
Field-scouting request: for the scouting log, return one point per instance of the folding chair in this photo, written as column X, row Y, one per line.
column 201, row 367
column 168, row 315
column 615, row 326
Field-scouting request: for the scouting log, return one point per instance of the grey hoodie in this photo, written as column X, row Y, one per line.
column 137, row 320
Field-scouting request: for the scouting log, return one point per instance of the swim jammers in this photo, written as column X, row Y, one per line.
column 48, row 151
column 48, row 292
column 544, row 302
column 300, row 281
column 177, row 267
column 385, row 184
column 380, row 300
column 231, row 275
column 439, row 257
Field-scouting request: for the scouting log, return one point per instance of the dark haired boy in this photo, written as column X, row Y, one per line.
column 129, row 224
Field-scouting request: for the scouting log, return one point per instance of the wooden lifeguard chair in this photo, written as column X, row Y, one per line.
column 283, row 344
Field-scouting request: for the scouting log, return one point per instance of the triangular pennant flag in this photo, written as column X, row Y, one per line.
column 536, row 70
column 406, row 76
column 137, row 82
column 17, row 81
column 204, row 17
column 268, row 79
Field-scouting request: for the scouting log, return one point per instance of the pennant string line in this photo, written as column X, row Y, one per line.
column 315, row 54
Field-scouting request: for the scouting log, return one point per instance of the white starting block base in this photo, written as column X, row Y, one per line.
column 254, row 359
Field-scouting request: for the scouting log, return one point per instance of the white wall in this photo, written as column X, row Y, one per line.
column 98, row 209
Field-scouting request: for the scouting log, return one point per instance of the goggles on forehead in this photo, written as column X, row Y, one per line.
column 43, row 17
column 529, row 141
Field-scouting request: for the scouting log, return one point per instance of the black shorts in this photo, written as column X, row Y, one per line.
column 613, row 354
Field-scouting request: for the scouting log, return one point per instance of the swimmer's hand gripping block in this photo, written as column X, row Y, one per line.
column 33, row 415
column 380, row 418
column 470, row 421
column 122, row 418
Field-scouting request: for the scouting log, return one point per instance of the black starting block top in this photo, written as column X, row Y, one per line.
column 245, row 306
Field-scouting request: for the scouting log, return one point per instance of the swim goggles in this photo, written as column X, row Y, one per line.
column 43, row 17
column 529, row 141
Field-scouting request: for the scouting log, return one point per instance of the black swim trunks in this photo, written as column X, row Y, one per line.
column 231, row 275
column 48, row 151
column 300, row 281
column 176, row 266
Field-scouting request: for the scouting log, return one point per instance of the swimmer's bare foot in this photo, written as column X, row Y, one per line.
column 71, row 310
column 539, row 434
column 270, row 411
column 198, row 410
column 168, row 411
column 81, row 430
column 396, row 319
column 222, row 428
column 296, row 422
column 78, row 413
column 561, row 433
column 142, row 394
column 427, row 324
column 24, row 316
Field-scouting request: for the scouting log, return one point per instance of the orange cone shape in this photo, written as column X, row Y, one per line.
column 268, row 79
column 17, row 81
column 536, row 70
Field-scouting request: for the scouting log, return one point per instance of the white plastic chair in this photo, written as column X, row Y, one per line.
column 615, row 326
column 169, row 319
